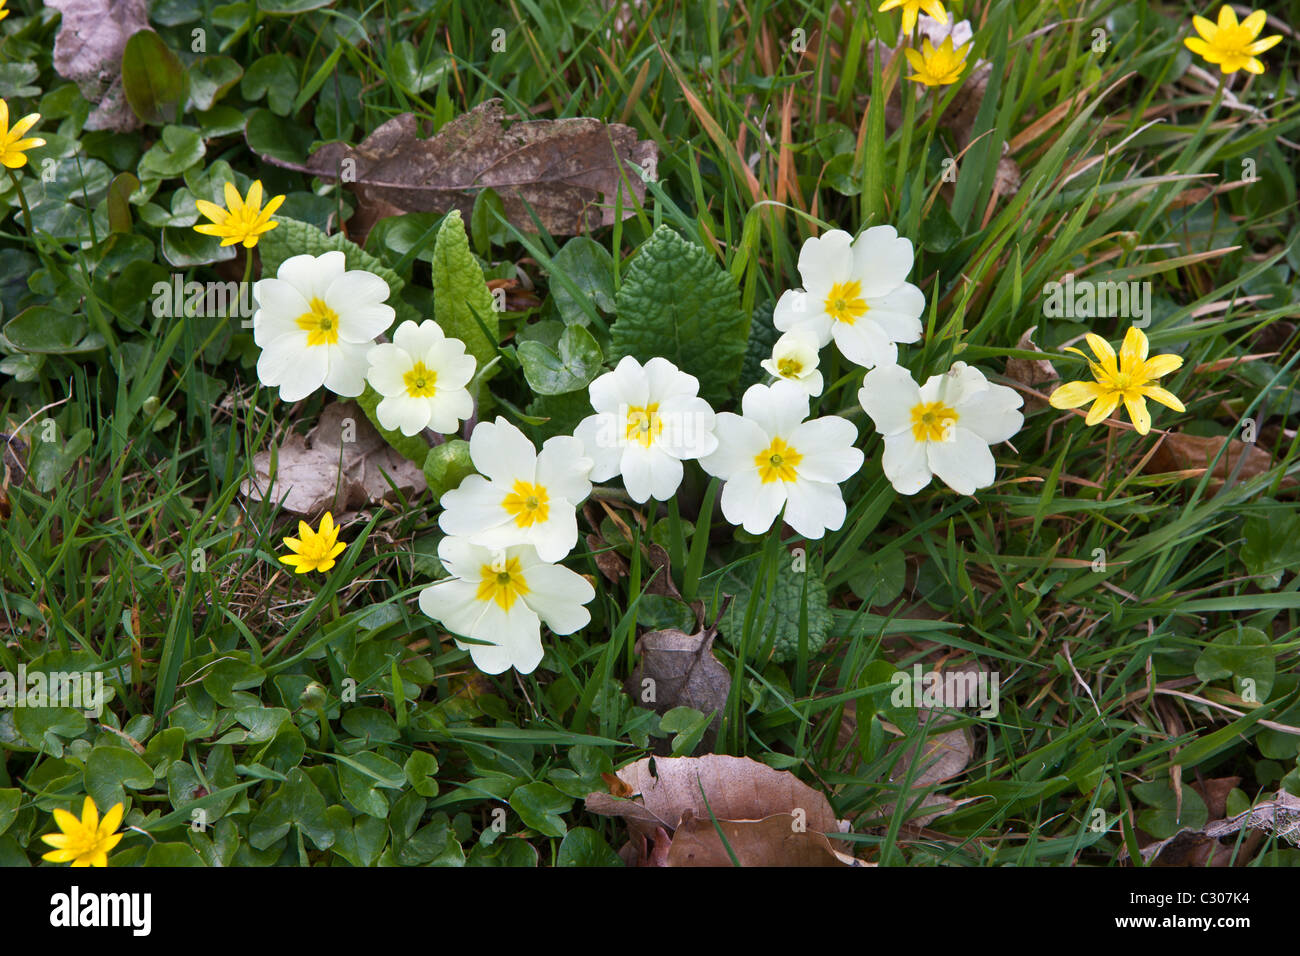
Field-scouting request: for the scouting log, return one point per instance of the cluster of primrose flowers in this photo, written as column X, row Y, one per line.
column 508, row 527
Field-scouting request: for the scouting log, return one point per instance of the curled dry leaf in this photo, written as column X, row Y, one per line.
column 669, row 789
column 683, row 672
column 14, row 457
column 1031, row 372
column 571, row 172
column 340, row 466
column 660, row 567
column 88, row 51
column 611, row 564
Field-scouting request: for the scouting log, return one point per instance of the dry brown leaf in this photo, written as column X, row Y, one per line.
column 1033, row 372
column 616, row 786
column 1007, row 177
column 943, row 756
column 1191, row 453
column 777, row 840
column 965, row 106
column 610, row 563
column 638, row 851
column 684, row 673
column 1215, row 794
column 340, row 466
column 570, row 171
column 737, row 788
column 661, row 582
column 88, row 51
column 519, row 297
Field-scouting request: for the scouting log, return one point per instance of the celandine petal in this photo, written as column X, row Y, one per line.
column 1075, row 394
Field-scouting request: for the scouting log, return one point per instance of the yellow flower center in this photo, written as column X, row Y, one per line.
column 527, row 504
column 644, row 423
column 320, row 322
column 777, row 462
column 421, row 381
column 933, row 421
column 503, row 582
column 789, row 368
column 243, row 221
column 83, row 841
column 844, row 303
column 1127, row 377
column 1231, row 42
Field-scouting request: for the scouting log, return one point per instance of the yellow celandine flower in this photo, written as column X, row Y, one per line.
column 911, row 8
column 3, row 12
column 940, row 67
column 1129, row 381
column 1231, row 45
column 84, row 842
column 314, row 550
column 244, row 220
column 13, row 148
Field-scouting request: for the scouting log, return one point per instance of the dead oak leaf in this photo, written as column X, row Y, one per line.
column 573, row 172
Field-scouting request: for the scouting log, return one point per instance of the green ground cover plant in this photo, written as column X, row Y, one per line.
column 570, row 433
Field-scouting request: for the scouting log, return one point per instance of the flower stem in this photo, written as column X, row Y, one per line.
column 22, row 199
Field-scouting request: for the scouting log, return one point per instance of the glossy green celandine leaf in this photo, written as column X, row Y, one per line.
column 446, row 466
column 588, row 280
column 568, row 367
column 153, row 78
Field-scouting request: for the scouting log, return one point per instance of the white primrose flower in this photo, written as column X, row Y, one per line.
column 503, row 596
column 855, row 293
column 794, row 358
column 315, row 322
column 648, row 420
column 770, row 458
column 944, row 427
column 520, row 496
column 422, row 375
